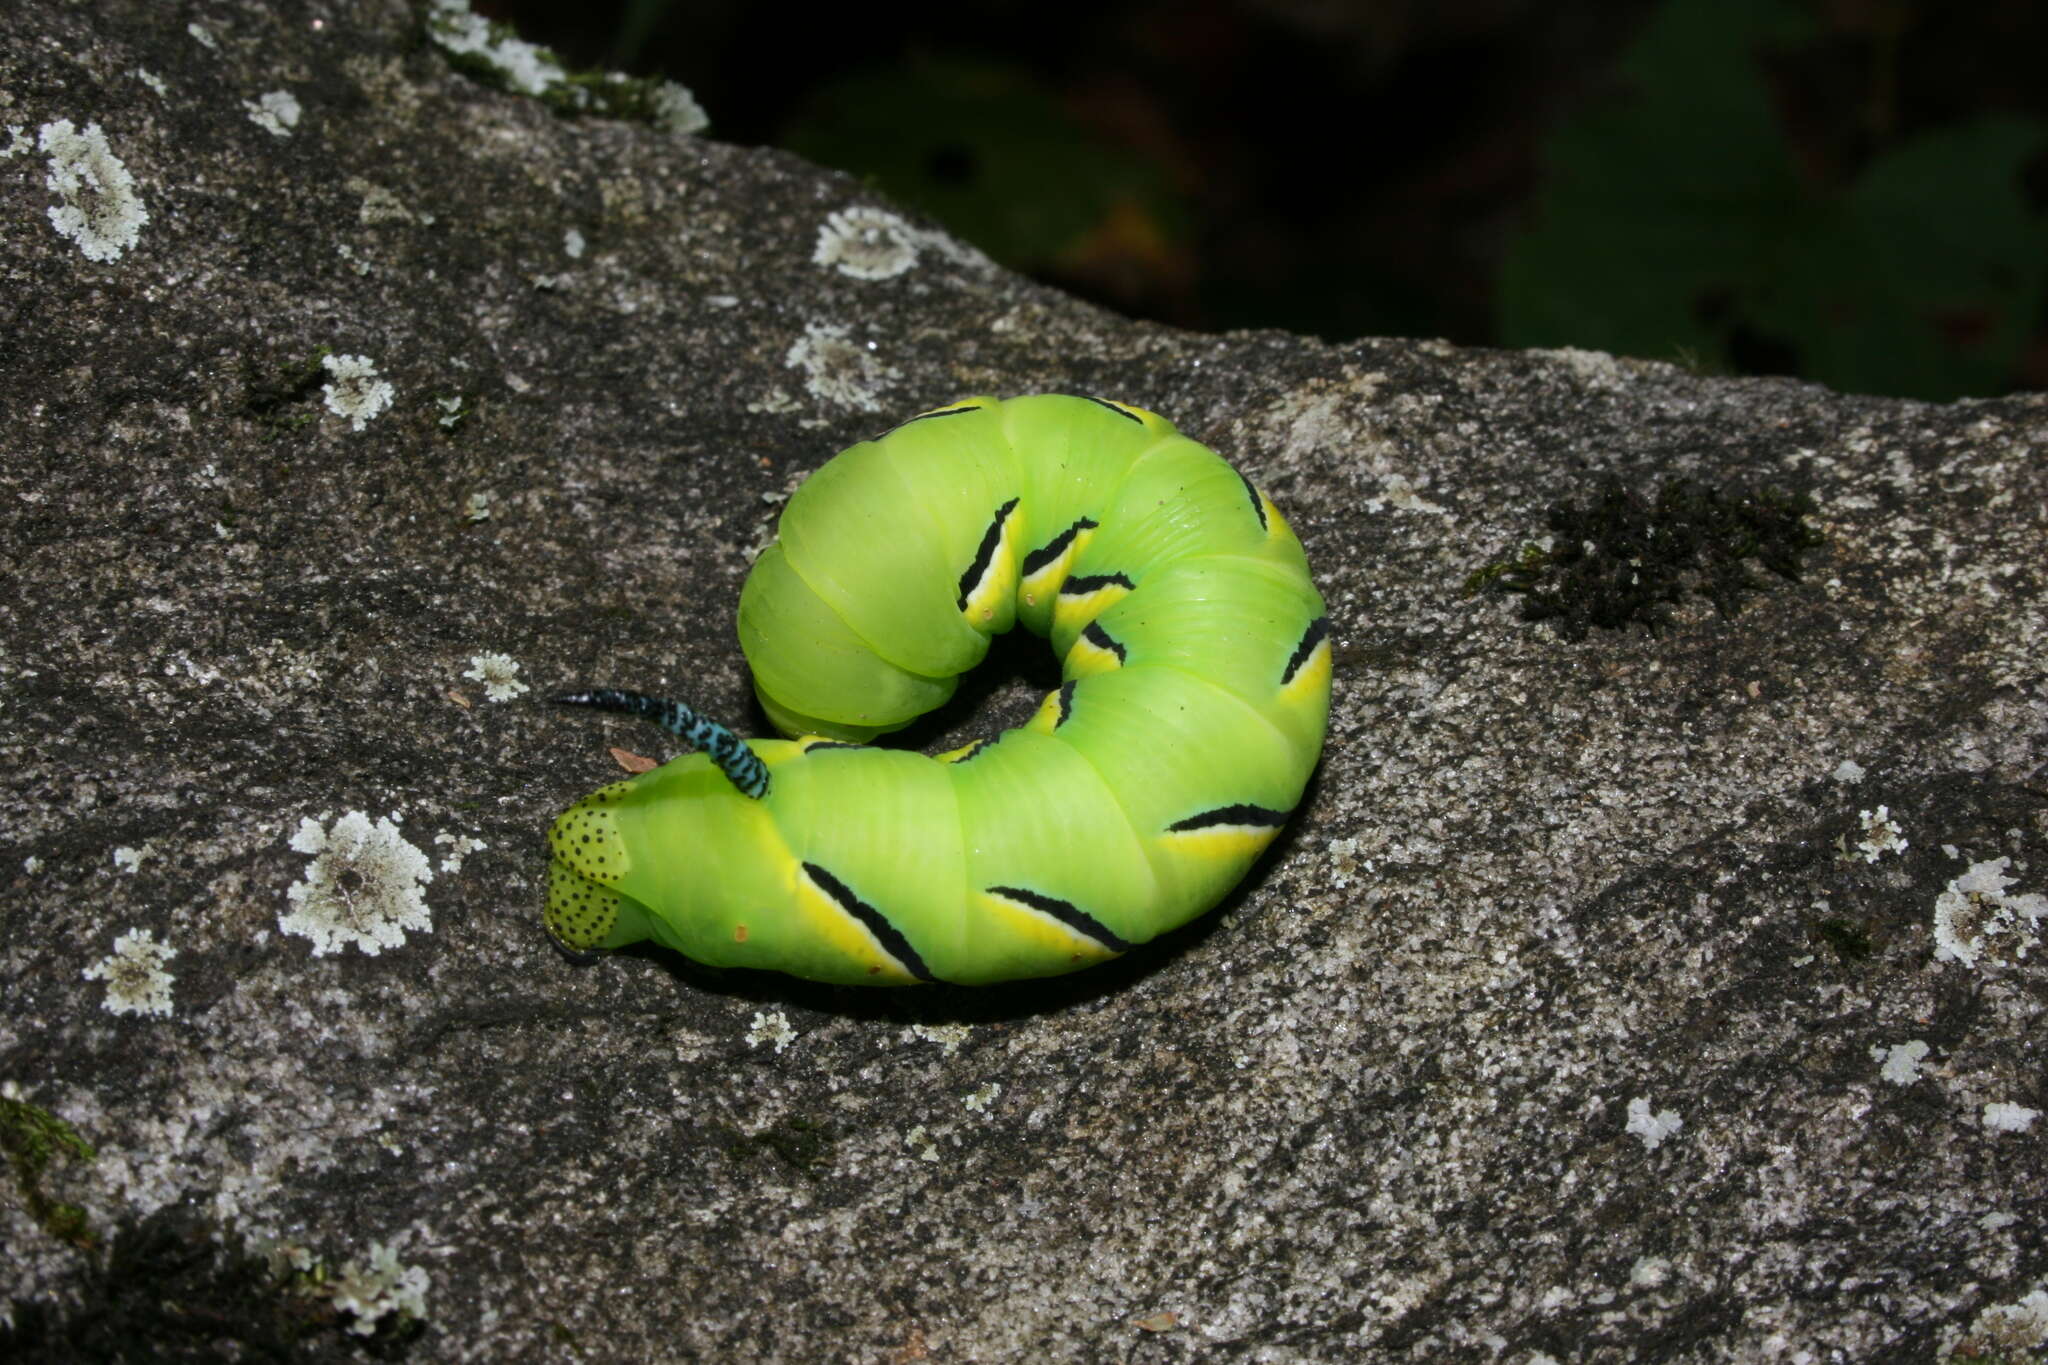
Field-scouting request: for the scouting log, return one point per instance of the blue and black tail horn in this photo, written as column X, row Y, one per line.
column 741, row 765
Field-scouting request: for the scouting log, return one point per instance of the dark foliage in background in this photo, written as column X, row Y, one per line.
column 1851, row 192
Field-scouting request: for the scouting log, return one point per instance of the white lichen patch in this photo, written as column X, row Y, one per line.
column 771, row 1026
column 363, row 887
column 1346, row 862
column 919, row 1140
column 134, row 972
column 1899, row 1063
column 775, row 402
column 2009, row 1118
column 867, row 244
column 101, row 210
column 459, row 846
column 838, row 369
column 1403, row 494
column 17, row 142
column 1649, row 1272
column 2005, row 1331
column 381, row 205
column 499, row 674
column 947, row 1036
column 355, row 391
column 525, row 67
column 980, row 1101
column 1881, row 835
column 573, row 244
column 276, row 112
column 477, row 506
column 129, row 859
column 202, row 36
column 1651, row 1128
column 452, row 413
column 675, row 109
column 370, row 1293
column 153, row 81
column 1975, row 919
column 1848, row 771
column 1595, row 369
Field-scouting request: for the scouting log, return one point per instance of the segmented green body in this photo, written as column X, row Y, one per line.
column 1197, row 684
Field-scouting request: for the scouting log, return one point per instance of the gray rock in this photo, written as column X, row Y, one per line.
column 1583, row 1012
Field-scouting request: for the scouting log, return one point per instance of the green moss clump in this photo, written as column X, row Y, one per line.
column 32, row 1137
column 495, row 54
column 1620, row 558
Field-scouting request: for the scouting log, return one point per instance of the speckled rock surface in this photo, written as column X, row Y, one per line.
column 1595, row 1007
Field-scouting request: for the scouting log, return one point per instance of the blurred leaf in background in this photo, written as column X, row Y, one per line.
column 985, row 150
column 636, row 25
column 1675, row 222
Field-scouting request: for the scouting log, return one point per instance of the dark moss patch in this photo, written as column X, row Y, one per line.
column 804, row 1145
column 274, row 395
column 1620, row 558
column 1850, row 940
column 169, row 1288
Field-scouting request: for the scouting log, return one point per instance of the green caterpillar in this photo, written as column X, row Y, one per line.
column 1196, row 664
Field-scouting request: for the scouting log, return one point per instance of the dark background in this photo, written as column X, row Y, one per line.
column 1851, row 191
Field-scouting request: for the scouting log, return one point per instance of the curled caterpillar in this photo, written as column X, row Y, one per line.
column 1196, row 664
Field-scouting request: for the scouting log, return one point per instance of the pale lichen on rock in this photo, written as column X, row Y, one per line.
column 134, row 972
column 363, row 887
column 355, row 391
column 499, row 673
column 1976, row 920
column 839, row 369
column 866, row 243
column 383, row 1287
column 101, row 210
column 276, row 112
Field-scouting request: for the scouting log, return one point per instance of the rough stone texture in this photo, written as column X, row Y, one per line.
column 1378, row 1106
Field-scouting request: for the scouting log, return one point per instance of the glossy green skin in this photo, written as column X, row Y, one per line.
column 877, row 866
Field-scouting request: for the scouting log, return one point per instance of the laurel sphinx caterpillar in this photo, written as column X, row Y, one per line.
column 1195, row 662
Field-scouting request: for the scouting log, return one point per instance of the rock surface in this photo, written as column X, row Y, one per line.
column 1645, row 995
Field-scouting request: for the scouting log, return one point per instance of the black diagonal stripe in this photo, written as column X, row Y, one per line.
column 974, row 750
column 1100, row 638
column 888, row 935
column 1055, row 547
column 1067, row 913
column 1132, row 416
column 1318, row 630
column 1230, row 815
column 1258, row 504
column 1094, row 582
column 935, row 412
column 816, row 745
column 984, row 556
column 1066, row 704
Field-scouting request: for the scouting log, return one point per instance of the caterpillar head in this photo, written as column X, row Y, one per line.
column 588, row 859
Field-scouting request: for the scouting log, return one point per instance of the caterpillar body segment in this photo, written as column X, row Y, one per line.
column 1196, row 682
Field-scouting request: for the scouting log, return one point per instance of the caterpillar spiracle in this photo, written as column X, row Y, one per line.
column 1195, row 661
